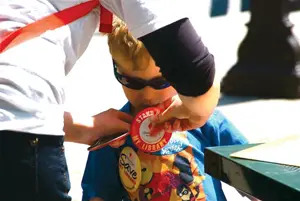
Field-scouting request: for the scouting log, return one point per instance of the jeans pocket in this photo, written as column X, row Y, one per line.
column 17, row 176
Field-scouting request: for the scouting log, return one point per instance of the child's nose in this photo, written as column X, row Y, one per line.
column 148, row 96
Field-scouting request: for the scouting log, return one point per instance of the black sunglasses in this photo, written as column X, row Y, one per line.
column 138, row 83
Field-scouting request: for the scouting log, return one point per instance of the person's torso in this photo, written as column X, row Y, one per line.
column 32, row 73
column 176, row 172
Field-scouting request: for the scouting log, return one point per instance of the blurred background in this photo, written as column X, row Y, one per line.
column 91, row 87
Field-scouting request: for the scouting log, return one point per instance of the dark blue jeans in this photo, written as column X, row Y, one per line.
column 33, row 168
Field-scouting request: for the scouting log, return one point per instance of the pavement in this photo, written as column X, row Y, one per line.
column 91, row 87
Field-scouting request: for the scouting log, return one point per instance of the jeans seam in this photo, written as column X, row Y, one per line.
column 34, row 143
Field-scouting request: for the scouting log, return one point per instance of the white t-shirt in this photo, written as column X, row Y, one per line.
column 32, row 74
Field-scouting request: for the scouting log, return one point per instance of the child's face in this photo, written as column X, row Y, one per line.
column 146, row 96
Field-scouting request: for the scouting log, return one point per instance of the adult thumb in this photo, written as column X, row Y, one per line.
column 164, row 116
column 159, row 121
column 165, row 113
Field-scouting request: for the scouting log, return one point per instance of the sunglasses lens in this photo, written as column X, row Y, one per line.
column 136, row 83
column 159, row 83
column 130, row 82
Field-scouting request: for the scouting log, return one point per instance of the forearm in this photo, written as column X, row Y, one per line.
column 204, row 104
column 187, row 64
column 87, row 129
column 76, row 126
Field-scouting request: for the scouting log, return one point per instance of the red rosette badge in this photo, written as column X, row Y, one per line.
column 140, row 132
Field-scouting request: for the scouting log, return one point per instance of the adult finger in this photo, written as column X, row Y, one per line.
column 176, row 125
column 119, row 127
column 117, row 143
column 163, row 106
column 124, row 116
column 156, row 128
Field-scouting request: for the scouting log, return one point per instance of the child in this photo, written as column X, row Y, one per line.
column 176, row 172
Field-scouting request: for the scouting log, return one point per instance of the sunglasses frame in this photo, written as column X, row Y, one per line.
column 140, row 83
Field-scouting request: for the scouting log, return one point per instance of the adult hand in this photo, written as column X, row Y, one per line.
column 175, row 117
column 87, row 130
column 185, row 113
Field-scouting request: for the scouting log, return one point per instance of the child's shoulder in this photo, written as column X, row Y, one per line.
column 216, row 119
column 217, row 116
column 126, row 107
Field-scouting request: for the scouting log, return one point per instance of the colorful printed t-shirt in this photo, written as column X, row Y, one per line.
column 176, row 172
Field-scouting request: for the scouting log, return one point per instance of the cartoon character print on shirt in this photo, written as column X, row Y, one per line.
column 173, row 176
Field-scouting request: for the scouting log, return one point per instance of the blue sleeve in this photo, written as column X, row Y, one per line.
column 101, row 176
column 222, row 131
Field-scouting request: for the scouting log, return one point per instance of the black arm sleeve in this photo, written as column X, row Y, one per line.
column 183, row 59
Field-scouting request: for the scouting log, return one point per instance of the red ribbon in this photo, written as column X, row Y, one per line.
column 54, row 21
column 106, row 18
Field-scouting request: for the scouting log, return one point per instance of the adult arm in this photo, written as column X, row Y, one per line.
column 178, row 50
column 87, row 129
column 188, row 65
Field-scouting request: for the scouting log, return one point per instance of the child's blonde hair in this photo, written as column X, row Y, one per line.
column 125, row 49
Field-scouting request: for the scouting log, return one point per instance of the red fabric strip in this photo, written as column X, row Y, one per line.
column 50, row 22
column 106, row 18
